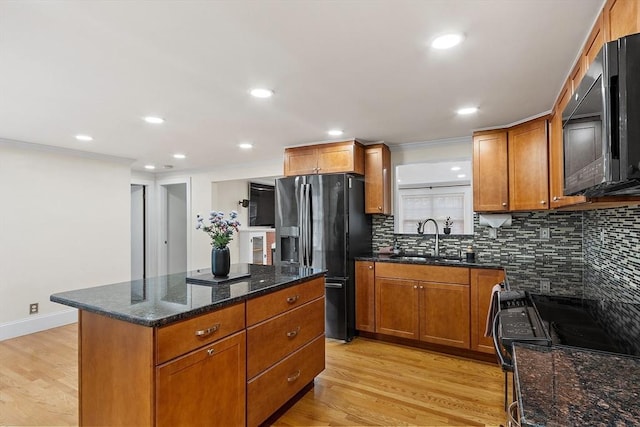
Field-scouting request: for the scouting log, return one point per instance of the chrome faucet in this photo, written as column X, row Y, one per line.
column 421, row 225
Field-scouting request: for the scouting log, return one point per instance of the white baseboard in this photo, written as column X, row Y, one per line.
column 39, row 323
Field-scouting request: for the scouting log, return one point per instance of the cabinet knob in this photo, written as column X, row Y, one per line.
column 421, row 287
column 293, row 333
column 415, row 286
column 293, row 299
column 504, row 204
column 210, row 352
column 542, row 202
column 371, row 267
column 379, row 208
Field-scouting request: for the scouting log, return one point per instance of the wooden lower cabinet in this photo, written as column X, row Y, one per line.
column 204, row 387
column 430, row 311
column 444, row 314
column 274, row 387
column 365, row 296
column 482, row 282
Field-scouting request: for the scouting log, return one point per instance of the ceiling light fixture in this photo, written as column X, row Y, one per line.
column 335, row 132
column 461, row 175
column 455, row 168
column 447, row 41
column 84, row 138
column 179, row 156
column 261, row 93
column 154, row 120
column 467, row 110
column 245, row 145
column 150, row 167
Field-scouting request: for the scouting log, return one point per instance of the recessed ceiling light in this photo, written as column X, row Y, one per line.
column 149, row 167
column 154, row 120
column 461, row 175
column 335, row 132
column 245, row 145
column 455, row 168
column 261, row 93
column 179, row 156
column 447, row 41
column 84, row 138
column 467, row 110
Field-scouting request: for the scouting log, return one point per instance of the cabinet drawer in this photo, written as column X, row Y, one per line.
column 272, row 340
column 427, row 273
column 266, row 306
column 273, row 388
column 182, row 337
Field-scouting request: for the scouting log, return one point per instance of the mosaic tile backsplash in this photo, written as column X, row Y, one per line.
column 528, row 258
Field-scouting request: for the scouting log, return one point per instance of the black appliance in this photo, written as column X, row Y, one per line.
column 601, row 124
column 320, row 223
column 261, row 205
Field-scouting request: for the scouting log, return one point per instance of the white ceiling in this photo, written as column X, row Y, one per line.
column 365, row 66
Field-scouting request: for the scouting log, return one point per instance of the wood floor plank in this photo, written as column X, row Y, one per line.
column 366, row 382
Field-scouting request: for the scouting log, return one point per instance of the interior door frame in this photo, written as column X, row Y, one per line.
column 161, row 234
column 150, row 240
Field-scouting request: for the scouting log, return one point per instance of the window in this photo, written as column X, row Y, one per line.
column 434, row 190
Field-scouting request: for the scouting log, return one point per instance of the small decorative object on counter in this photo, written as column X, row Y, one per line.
column 447, row 225
column 396, row 247
column 471, row 255
column 221, row 232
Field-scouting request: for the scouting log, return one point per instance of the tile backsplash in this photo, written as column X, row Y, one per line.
column 529, row 259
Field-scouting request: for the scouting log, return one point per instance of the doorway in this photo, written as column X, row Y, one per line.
column 138, row 232
column 174, row 223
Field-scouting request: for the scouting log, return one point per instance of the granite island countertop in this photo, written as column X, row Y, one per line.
column 161, row 300
column 561, row 386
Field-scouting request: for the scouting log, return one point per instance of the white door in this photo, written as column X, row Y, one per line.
column 174, row 209
column 137, row 232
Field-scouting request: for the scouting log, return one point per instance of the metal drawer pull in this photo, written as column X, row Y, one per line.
column 293, row 333
column 208, row 331
column 294, row 377
column 293, row 299
column 210, row 352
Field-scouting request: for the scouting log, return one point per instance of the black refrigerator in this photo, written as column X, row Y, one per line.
column 320, row 223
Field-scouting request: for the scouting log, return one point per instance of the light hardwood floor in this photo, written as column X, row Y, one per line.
column 365, row 383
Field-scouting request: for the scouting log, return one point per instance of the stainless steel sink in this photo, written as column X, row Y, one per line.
column 426, row 258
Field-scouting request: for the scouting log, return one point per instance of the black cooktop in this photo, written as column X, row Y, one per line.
column 584, row 323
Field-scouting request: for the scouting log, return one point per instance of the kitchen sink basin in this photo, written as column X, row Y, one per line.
column 426, row 258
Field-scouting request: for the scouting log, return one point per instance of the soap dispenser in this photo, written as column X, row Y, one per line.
column 471, row 255
column 396, row 247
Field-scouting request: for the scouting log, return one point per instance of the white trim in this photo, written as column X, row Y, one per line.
column 414, row 145
column 38, row 323
column 516, row 123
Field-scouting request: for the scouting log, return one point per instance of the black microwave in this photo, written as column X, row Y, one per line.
column 601, row 124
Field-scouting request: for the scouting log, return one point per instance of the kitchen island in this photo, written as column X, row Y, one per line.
column 162, row 351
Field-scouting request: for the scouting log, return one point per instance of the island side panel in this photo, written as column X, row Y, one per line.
column 116, row 368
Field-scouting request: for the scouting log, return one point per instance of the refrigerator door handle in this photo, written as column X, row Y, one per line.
column 334, row 285
column 301, row 211
column 308, row 228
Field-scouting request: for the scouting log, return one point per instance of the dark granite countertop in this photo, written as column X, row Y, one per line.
column 562, row 386
column 411, row 259
column 162, row 300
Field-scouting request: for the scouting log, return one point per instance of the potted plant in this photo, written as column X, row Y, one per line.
column 221, row 232
column 447, row 225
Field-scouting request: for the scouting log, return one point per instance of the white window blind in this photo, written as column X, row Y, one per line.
column 418, row 204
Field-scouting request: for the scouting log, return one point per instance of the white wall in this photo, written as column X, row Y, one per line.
column 64, row 224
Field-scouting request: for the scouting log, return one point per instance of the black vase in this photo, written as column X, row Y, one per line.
column 220, row 262
column 447, row 230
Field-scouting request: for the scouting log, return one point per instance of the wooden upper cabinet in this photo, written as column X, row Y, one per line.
column 377, row 179
column 620, row 18
column 556, row 155
column 336, row 157
column 576, row 75
column 528, row 166
column 594, row 42
column 490, row 172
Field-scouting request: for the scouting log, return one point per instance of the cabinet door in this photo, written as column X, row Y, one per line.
column 490, row 172
column 621, row 18
column 205, row 387
column 444, row 314
column 594, row 42
column 377, row 180
column 300, row 161
column 482, row 282
column 365, row 296
column 341, row 157
column 556, row 158
column 397, row 307
column 528, row 166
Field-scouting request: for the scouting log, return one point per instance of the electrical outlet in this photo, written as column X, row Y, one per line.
column 544, row 233
column 545, row 286
column 33, row 308
column 493, row 233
